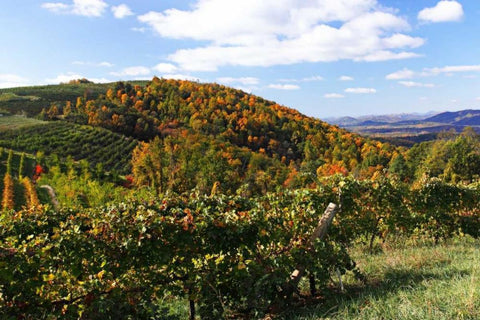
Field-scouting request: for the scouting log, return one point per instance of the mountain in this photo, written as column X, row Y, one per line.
column 408, row 129
column 209, row 132
column 466, row 117
column 380, row 119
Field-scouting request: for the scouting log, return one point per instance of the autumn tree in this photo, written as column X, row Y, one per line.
column 148, row 165
column 8, row 192
column 30, row 193
column 8, row 186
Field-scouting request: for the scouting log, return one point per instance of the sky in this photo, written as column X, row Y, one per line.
column 325, row 58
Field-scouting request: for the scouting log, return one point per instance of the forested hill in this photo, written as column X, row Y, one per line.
column 220, row 125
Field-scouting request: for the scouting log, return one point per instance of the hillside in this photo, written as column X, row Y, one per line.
column 245, row 137
column 226, row 190
column 31, row 100
column 457, row 117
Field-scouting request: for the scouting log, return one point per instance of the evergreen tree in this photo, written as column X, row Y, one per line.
column 398, row 167
column 21, row 166
column 9, row 162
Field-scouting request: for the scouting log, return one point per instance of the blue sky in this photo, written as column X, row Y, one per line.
column 326, row 58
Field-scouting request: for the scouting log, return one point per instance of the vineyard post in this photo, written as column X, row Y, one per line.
column 319, row 232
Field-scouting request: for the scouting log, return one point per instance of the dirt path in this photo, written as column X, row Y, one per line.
column 53, row 196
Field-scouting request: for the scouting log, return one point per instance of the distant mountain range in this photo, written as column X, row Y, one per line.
column 378, row 119
column 409, row 128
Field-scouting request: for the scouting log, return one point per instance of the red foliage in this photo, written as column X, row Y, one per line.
column 37, row 172
column 128, row 183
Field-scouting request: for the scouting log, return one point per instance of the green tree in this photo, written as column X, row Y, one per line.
column 9, row 162
column 398, row 167
column 21, row 165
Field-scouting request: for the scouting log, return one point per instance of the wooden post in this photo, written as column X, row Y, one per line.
column 319, row 232
column 313, row 285
column 192, row 309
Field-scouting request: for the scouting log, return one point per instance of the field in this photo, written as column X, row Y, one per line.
column 409, row 281
column 17, row 122
column 96, row 145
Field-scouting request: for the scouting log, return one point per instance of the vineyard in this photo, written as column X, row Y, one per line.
column 219, row 212
column 96, row 145
column 227, row 255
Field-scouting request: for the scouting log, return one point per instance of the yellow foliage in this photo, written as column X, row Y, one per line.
column 30, row 193
column 8, row 193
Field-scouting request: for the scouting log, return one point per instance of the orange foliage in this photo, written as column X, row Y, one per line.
column 8, row 193
column 330, row 169
column 30, row 193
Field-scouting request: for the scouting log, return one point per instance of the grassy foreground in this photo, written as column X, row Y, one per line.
column 421, row 281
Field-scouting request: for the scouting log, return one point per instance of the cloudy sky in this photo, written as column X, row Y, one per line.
column 323, row 57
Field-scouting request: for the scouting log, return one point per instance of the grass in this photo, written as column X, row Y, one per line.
column 17, row 122
column 406, row 282
column 9, row 96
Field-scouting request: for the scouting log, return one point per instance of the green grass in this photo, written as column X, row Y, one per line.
column 17, row 122
column 9, row 96
column 407, row 282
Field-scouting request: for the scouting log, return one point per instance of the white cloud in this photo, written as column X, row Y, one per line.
column 283, row 32
column 452, row 69
column 306, row 79
column 384, row 55
column 13, row 80
column 132, row 72
column 141, row 30
column 401, row 74
column 121, row 11
column 66, row 77
column 444, row 11
column 411, row 84
column 333, row 96
column 283, row 86
column 56, row 7
column 431, row 72
column 87, row 8
column 399, row 40
column 94, row 64
column 181, row 77
column 346, row 78
column 360, row 90
column 165, row 68
column 105, row 64
column 313, row 78
column 243, row 80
